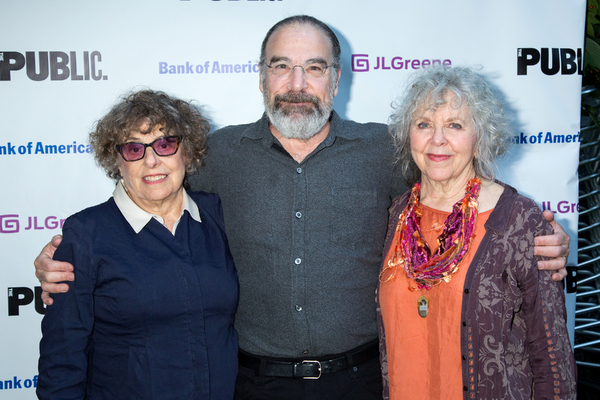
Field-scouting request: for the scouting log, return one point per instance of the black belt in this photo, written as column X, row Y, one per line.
column 308, row 369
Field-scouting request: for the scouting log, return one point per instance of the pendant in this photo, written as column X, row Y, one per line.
column 423, row 306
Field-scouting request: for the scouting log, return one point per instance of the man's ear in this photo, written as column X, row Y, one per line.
column 337, row 81
column 260, row 78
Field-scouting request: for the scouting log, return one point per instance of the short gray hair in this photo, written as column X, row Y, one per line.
column 304, row 20
column 307, row 20
column 428, row 89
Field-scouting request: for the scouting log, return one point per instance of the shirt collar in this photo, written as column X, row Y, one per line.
column 138, row 218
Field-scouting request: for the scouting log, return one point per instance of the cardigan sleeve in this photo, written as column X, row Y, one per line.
column 551, row 359
column 68, row 323
column 394, row 213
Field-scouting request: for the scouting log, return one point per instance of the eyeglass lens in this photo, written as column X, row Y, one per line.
column 165, row 146
column 314, row 69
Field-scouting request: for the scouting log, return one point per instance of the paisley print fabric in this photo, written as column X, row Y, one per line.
column 514, row 340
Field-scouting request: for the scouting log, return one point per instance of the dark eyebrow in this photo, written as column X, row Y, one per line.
column 275, row 59
column 316, row 60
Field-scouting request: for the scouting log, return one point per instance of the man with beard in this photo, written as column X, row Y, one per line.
column 305, row 197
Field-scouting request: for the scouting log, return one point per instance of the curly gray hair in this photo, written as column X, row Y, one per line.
column 428, row 89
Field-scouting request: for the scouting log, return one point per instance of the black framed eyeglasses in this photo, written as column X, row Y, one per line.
column 164, row 146
column 282, row 68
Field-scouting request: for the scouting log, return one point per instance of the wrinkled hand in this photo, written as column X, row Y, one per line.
column 49, row 271
column 555, row 246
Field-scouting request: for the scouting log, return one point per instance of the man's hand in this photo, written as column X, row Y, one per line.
column 49, row 271
column 555, row 246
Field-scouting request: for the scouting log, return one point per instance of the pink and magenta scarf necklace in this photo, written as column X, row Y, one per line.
column 412, row 252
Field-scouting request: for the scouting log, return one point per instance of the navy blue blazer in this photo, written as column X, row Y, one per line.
column 149, row 316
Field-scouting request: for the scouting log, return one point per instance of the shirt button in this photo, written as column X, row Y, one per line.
column 298, row 307
column 305, row 352
column 464, row 358
column 467, row 291
column 299, row 170
column 298, row 261
column 298, row 214
column 465, row 388
column 464, row 323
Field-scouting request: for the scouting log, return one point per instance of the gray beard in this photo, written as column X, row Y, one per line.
column 299, row 122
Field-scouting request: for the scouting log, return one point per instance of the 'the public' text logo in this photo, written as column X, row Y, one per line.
column 551, row 61
column 57, row 65
column 22, row 296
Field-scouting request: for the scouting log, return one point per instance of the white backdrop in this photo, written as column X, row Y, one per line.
column 63, row 63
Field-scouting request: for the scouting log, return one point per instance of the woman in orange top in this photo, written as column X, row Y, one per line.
column 464, row 313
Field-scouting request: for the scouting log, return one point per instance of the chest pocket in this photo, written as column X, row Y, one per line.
column 353, row 220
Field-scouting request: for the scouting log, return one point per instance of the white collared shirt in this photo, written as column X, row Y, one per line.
column 138, row 218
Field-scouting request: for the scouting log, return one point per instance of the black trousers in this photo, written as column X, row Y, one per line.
column 361, row 382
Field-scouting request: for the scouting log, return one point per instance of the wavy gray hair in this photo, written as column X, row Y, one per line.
column 428, row 89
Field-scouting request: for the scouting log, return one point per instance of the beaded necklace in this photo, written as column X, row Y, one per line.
column 412, row 252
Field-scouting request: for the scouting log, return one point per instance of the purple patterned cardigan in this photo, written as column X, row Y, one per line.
column 514, row 340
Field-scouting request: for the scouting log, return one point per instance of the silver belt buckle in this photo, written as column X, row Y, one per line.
column 312, row 361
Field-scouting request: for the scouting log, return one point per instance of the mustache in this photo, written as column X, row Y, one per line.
column 296, row 97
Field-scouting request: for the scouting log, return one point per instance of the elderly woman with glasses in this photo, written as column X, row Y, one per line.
column 464, row 312
column 151, row 312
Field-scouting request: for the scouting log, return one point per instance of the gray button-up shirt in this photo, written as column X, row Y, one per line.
column 306, row 237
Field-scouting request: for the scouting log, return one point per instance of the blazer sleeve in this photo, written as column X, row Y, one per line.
column 68, row 323
column 551, row 358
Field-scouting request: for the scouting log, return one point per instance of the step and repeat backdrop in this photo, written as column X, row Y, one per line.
column 63, row 63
